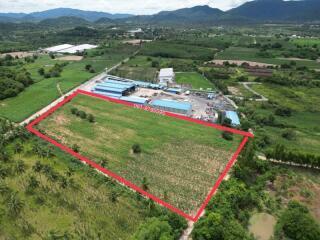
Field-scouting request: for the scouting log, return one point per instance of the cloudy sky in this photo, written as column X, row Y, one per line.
column 113, row 6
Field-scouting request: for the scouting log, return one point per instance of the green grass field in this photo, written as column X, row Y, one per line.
column 44, row 91
column 195, row 79
column 180, row 160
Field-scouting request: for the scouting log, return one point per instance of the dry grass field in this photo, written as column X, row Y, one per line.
column 180, row 160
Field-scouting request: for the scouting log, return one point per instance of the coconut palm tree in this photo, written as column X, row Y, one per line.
column 14, row 205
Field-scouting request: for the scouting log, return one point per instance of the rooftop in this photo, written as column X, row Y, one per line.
column 58, row 47
column 172, row 104
column 233, row 116
column 166, row 72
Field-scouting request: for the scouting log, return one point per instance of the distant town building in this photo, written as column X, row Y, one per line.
column 166, row 76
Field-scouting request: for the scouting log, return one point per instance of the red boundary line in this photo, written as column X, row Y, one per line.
column 122, row 180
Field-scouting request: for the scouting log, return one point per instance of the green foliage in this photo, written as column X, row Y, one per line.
column 296, row 223
column 215, row 226
column 136, row 148
column 227, row 135
column 154, row 229
column 13, row 82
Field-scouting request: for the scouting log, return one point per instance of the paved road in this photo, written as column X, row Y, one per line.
column 85, row 86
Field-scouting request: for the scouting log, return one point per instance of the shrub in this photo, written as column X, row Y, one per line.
column 136, row 148
column 76, row 148
column 82, row 114
column 74, row 111
column 289, row 134
column 227, row 135
column 91, row 118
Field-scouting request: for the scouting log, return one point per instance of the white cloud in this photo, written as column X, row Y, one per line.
column 113, row 6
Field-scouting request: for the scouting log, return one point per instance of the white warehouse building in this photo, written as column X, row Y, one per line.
column 166, row 76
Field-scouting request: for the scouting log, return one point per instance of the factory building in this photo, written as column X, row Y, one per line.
column 166, row 76
column 113, row 88
column 184, row 108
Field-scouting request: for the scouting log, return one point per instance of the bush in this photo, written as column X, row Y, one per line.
column 82, row 114
column 227, row 135
column 74, row 111
column 136, row 148
column 91, row 118
column 289, row 134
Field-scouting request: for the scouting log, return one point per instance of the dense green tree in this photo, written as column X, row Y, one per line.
column 154, row 229
column 296, row 223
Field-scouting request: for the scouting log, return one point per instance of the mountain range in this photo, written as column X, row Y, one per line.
column 250, row 12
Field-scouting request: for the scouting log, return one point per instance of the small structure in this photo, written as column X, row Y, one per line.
column 184, row 108
column 166, row 76
column 233, row 116
column 174, row 90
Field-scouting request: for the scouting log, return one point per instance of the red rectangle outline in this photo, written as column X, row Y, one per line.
column 122, row 180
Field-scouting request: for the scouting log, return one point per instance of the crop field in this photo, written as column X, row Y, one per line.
column 307, row 41
column 172, row 50
column 179, row 162
column 195, row 79
column 25, row 104
column 250, row 54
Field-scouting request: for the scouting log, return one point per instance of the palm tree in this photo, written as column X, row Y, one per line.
column 14, row 205
column 18, row 148
column 145, row 184
column 20, row 167
column 4, row 172
column 37, row 168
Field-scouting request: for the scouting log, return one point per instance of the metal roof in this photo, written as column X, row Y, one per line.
column 233, row 116
column 113, row 95
column 129, row 84
column 58, row 47
column 112, row 85
column 172, row 104
column 78, row 48
column 109, row 89
column 135, row 100
column 166, row 72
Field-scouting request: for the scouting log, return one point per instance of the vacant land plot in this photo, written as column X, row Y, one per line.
column 179, row 161
column 194, row 79
column 18, row 54
column 136, row 73
column 70, row 58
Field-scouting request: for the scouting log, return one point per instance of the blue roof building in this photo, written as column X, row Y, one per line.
column 233, row 116
column 184, row 108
